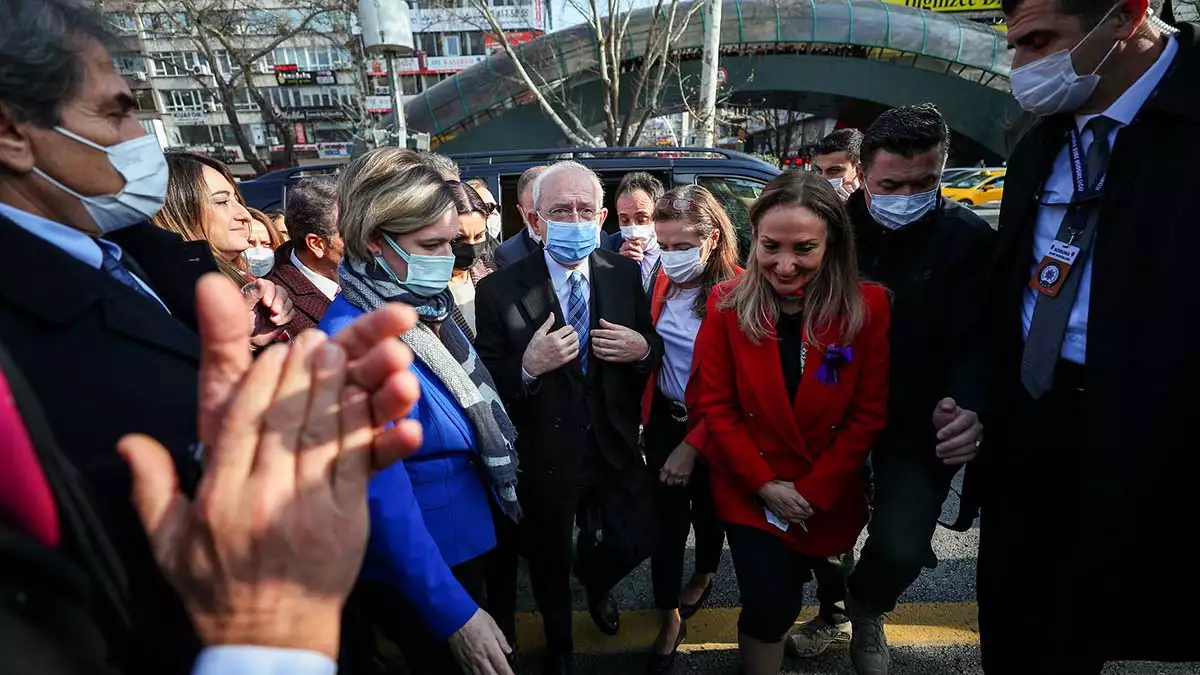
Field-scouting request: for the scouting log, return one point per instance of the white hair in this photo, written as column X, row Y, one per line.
column 559, row 167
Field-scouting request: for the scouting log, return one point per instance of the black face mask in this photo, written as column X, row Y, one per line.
column 466, row 254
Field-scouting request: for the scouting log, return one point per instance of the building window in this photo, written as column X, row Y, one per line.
column 224, row 64
column 243, row 101
column 176, row 64
column 165, row 24
column 144, row 99
column 430, row 43
column 121, row 23
column 452, row 44
column 129, row 63
column 508, row 3
column 474, row 43
column 179, row 100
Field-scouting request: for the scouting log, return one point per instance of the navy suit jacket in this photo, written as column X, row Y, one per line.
column 104, row 361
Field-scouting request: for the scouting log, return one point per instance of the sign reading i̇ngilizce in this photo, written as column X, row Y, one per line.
column 951, row 5
column 292, row 78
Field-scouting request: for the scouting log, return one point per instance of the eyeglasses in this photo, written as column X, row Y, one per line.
column 675, row 204
column 562, row 214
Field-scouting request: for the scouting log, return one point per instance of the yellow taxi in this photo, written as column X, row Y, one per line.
column 976, row 190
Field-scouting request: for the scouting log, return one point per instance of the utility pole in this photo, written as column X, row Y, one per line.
column 397, row 99
column 387, row 31
column 708, row 74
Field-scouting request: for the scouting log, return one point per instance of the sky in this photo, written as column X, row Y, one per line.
column 566, row 16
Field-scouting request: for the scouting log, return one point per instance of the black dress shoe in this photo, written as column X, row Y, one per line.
column 606, row 615
column 687, row 611
column 557, row 663
column 663, row 663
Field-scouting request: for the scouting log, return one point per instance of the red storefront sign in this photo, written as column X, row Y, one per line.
column 301, row 134
column 491, row 42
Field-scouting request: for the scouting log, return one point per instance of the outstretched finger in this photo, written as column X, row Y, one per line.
column 379, row 363
column 224, row 349
column 319, row 437
column 388, row 322
column 275, row 464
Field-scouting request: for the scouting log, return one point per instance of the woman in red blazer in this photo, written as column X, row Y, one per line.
column 793, row 392
column 699, row 252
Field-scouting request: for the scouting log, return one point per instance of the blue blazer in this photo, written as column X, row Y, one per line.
column 431, row 511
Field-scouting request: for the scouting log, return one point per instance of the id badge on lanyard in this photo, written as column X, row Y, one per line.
column 1052, row 271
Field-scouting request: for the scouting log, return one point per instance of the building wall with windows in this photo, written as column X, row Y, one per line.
column 309, row 78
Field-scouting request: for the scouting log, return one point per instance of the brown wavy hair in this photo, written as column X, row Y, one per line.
column 832, row 298
column 183, row 211
column 705, row 216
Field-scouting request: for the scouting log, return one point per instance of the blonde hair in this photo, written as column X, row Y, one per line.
column 703, row 215
column 832, row 299
column 388, row 190
column 273, row 234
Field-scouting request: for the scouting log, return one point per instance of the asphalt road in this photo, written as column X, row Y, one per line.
column 930, row 649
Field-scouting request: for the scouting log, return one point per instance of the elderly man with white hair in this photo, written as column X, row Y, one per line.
column 568, row 338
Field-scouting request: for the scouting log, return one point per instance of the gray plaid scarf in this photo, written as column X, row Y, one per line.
column 450, row 356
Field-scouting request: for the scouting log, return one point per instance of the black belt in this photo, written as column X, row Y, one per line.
column 678, row 410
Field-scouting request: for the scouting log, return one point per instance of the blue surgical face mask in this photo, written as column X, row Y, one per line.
column 569, row 243
column 896, row 211
column 428, row 275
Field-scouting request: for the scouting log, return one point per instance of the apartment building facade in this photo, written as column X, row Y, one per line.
column 317, row 81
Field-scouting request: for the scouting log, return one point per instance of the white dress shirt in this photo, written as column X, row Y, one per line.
column 251, row 660
column 327, row 286
column 1056, row 195
column 560, row 277
column 650, row 258
column 677, row 326
column 80, row 246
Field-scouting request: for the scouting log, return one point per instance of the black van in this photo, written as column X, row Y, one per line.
column 735, row 178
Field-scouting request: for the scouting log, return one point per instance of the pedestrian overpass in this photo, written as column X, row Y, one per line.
column 814, row 56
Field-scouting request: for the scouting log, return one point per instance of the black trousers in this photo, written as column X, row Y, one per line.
column 771, row 579
column 377, row 605
column 678, row 507
column 909, row 489
column 500, row 575
column 545, row 539
column 1030, row 505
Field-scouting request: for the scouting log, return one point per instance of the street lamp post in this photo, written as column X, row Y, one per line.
column 387, row 31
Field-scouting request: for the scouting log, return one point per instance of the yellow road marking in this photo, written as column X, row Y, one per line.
column 911, row 625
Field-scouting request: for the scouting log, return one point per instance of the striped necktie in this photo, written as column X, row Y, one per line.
column 577, row 315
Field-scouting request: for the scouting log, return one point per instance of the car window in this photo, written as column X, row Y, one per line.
column 735, row 194
column 611, row 178
column 968, row 182
column 321, row 171
column 996, row 184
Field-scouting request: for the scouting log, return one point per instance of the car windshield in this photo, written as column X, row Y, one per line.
column 969, row 181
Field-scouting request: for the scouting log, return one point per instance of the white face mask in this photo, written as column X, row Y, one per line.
column 143, row 166
column 896, row 211
column 493, row 226
column 1050, row 85
column 836, row 182
column 682, row 266
column 259, row 260
column 643, row 233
